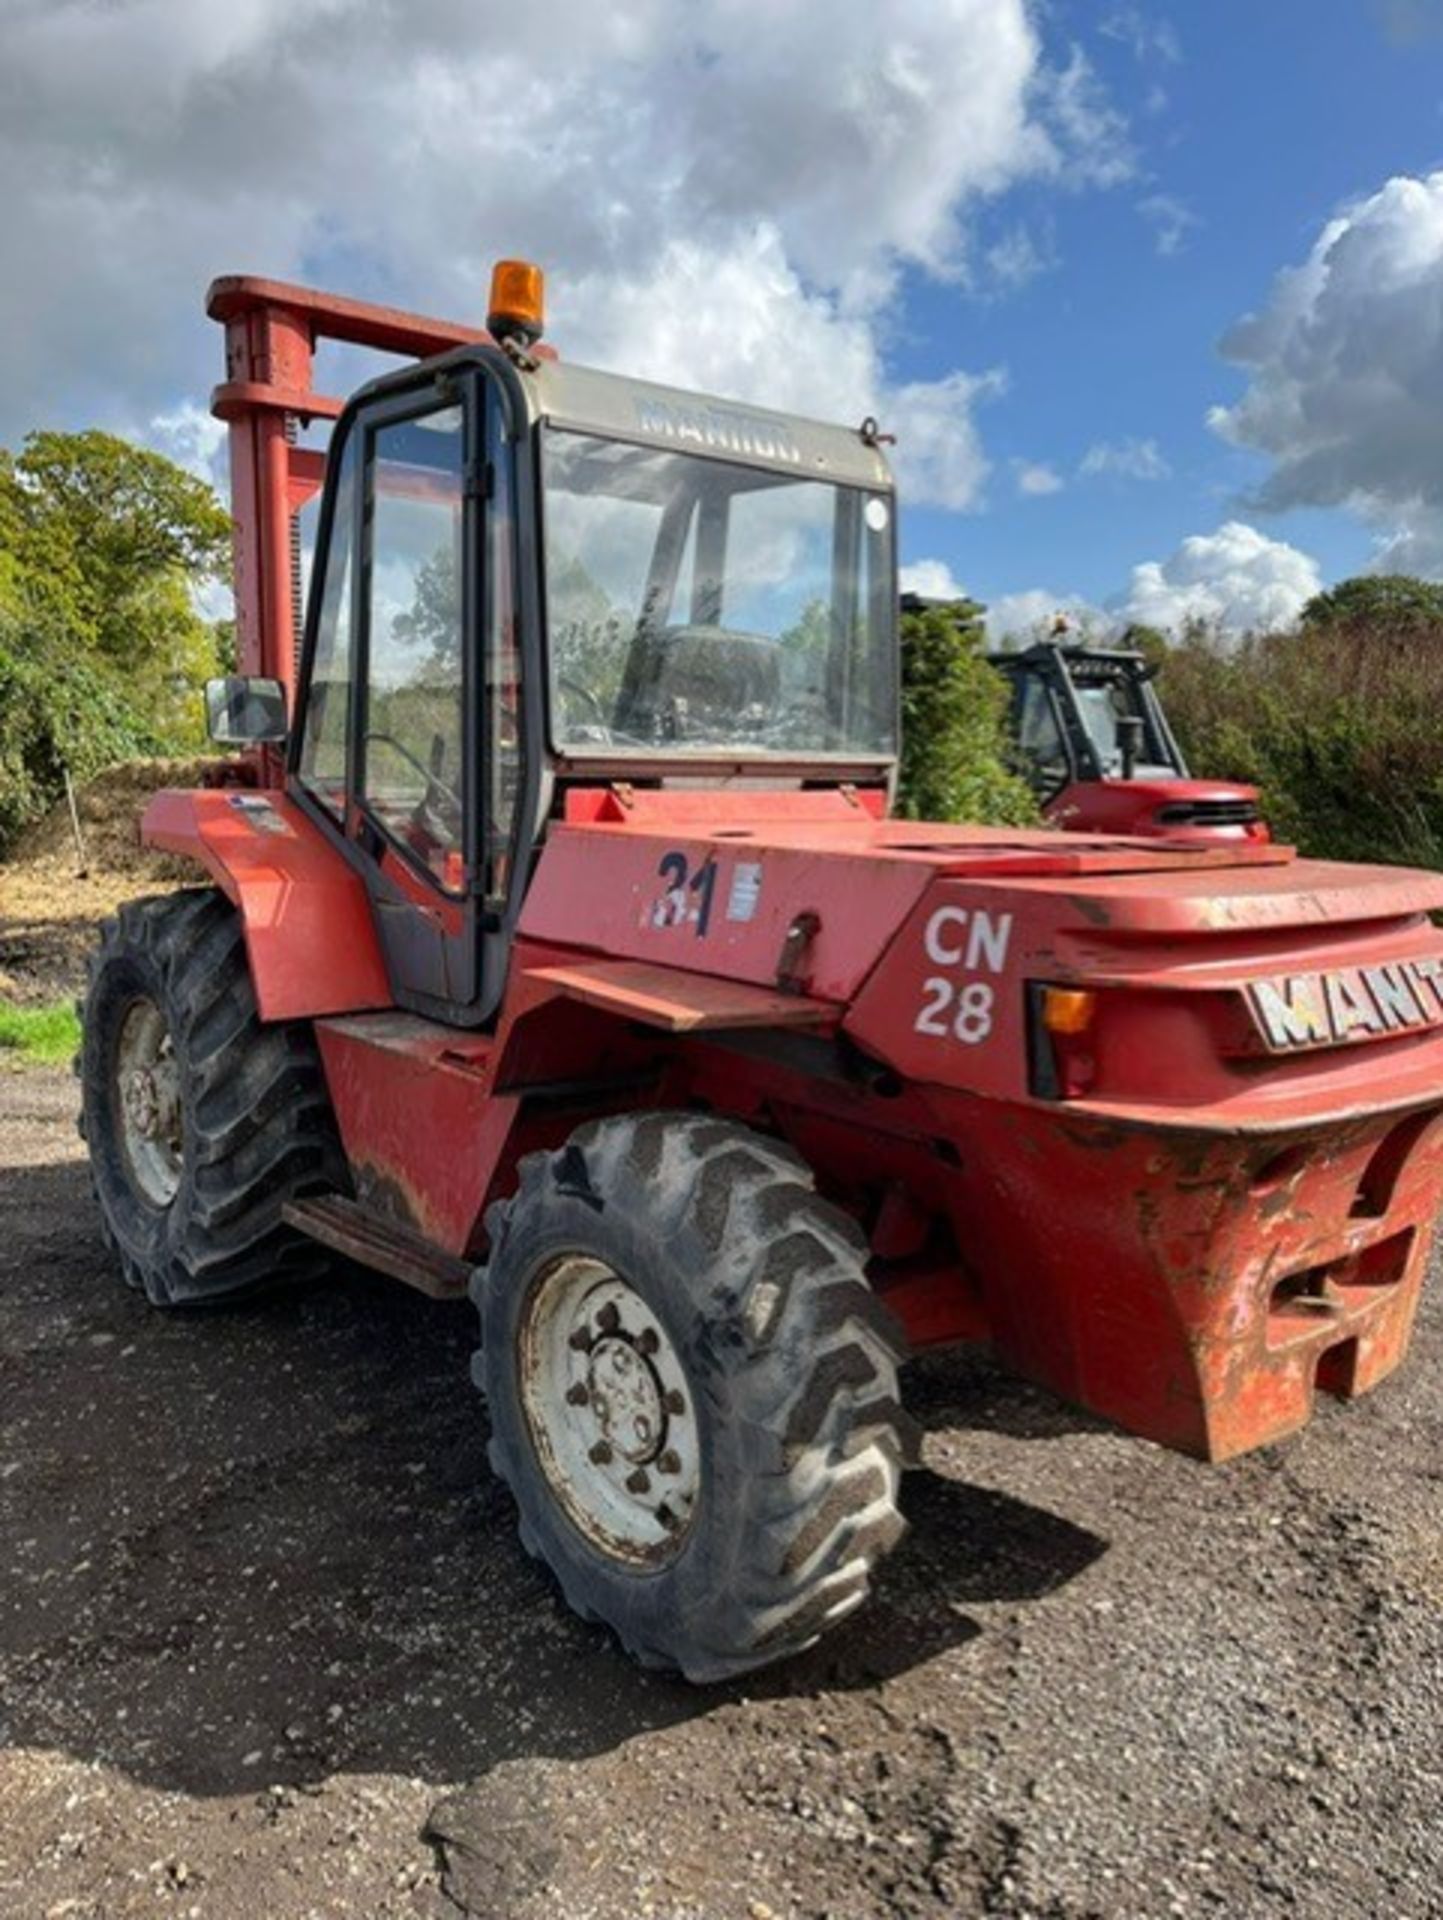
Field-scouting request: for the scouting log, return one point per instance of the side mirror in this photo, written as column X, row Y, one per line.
column 243, row 712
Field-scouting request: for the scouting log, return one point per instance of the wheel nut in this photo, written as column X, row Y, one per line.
column 646, row 1340
column 670, row 1462
column 673, row 1401
column 638, row 1482
column 578, row 1395
column 609, row 1319
column 600, row 1455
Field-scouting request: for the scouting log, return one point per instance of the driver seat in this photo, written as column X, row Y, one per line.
column 717, row 673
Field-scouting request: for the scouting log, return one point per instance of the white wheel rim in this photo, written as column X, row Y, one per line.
column 147, row 1099
column 610, row 1411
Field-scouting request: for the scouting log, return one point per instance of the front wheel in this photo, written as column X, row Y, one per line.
column 201, row 1122
column 692, row 1390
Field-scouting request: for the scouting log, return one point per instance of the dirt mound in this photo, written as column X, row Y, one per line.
column 110, row 807
column 49, row 908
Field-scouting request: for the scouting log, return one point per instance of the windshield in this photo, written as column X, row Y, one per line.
column 1101, row 707
column 694, row 606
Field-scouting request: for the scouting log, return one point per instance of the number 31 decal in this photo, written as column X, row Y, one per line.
column 688, row 896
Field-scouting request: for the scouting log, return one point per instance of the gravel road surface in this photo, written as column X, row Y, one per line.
column 269, row 1648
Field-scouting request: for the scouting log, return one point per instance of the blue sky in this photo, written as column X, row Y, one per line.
column 1027, row 234
column 1252, row 124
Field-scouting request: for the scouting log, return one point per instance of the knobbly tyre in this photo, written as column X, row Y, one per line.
column 557, row 946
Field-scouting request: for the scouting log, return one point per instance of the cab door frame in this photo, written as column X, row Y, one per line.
column 446, row 952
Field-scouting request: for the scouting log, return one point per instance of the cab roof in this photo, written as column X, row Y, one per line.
column 618, row 408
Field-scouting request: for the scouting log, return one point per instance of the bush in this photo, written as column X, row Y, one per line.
column 1338, row 723
column 955, row 748
column 102, row 650
column 58, row 709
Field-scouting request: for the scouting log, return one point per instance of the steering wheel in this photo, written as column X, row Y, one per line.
column 433, row 783
column 588, row 696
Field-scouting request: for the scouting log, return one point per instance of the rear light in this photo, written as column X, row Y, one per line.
column 1068, row 1009
column 1062, row 1064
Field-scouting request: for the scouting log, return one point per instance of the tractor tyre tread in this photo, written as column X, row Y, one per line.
column 257, row 1124
column 762, row 1284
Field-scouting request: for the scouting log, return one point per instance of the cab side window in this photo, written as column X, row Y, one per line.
column 413, row 756
column 1039, row 739
column 327, row 724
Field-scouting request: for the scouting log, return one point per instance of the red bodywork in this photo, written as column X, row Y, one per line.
column 1157, row 1216
column 1204, row 810
column 1190, row 1246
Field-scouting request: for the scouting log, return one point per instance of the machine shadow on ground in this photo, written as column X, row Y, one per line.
column 261, row 1545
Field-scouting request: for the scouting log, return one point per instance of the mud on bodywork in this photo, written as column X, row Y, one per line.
column 1183, row 1226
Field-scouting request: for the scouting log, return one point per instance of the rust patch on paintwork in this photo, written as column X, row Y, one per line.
column 1279, row 1202
column 383, row 1193
column 1096, row 1136
column 1093, row 910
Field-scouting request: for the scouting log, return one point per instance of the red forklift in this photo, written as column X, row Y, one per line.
column 1091, row 739
column 552, row 946
column 1094, row 743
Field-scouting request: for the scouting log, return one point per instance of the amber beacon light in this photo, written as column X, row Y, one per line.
column 518, row 302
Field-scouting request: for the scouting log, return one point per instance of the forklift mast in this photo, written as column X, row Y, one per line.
column 272, row 331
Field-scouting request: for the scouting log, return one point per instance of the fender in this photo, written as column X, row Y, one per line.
column 309, row 934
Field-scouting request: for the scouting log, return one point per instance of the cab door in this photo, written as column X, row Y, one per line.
column 404, row 738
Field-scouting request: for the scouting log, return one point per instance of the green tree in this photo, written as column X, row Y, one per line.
column 102, row 649
column 1150, row 642
column 1386, row 602
column 58, row 710
column 955, row 748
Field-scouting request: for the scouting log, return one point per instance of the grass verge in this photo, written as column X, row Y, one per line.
column 38, row 1036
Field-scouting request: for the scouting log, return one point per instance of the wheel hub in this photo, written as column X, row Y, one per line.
column 609, row 1410
column 625, row 1399
column 147, row 1085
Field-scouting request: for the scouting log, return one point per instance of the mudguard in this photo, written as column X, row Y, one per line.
column 309, row 934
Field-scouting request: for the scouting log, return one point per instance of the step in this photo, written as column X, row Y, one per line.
column 371, row 1238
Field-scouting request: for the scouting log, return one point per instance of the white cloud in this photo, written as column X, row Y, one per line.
column 727, row 191
column 1088, row 123
column 1416, row 550
column 1345, row 371
column 1017, row 619
column 933, row 579
column 1235, row 579
column 193, row 438
column 1018, row 256
column 1171, row 220
column 1124, row 460
column 938, row 457
column 1035, row 478
column 1146, row 34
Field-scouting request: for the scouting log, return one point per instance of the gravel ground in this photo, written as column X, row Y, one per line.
column 268, row 1646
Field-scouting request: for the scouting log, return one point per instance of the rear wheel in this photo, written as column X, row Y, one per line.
column 201, row 1122
column 692, row 1390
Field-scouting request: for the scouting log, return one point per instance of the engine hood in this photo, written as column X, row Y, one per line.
column 715, row 881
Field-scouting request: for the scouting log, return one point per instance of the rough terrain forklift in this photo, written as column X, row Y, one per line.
column 556, row 946
column 1094, row 743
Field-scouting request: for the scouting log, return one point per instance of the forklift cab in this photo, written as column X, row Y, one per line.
column 1092, row 740
column 530, row 578
column 1087, row 713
